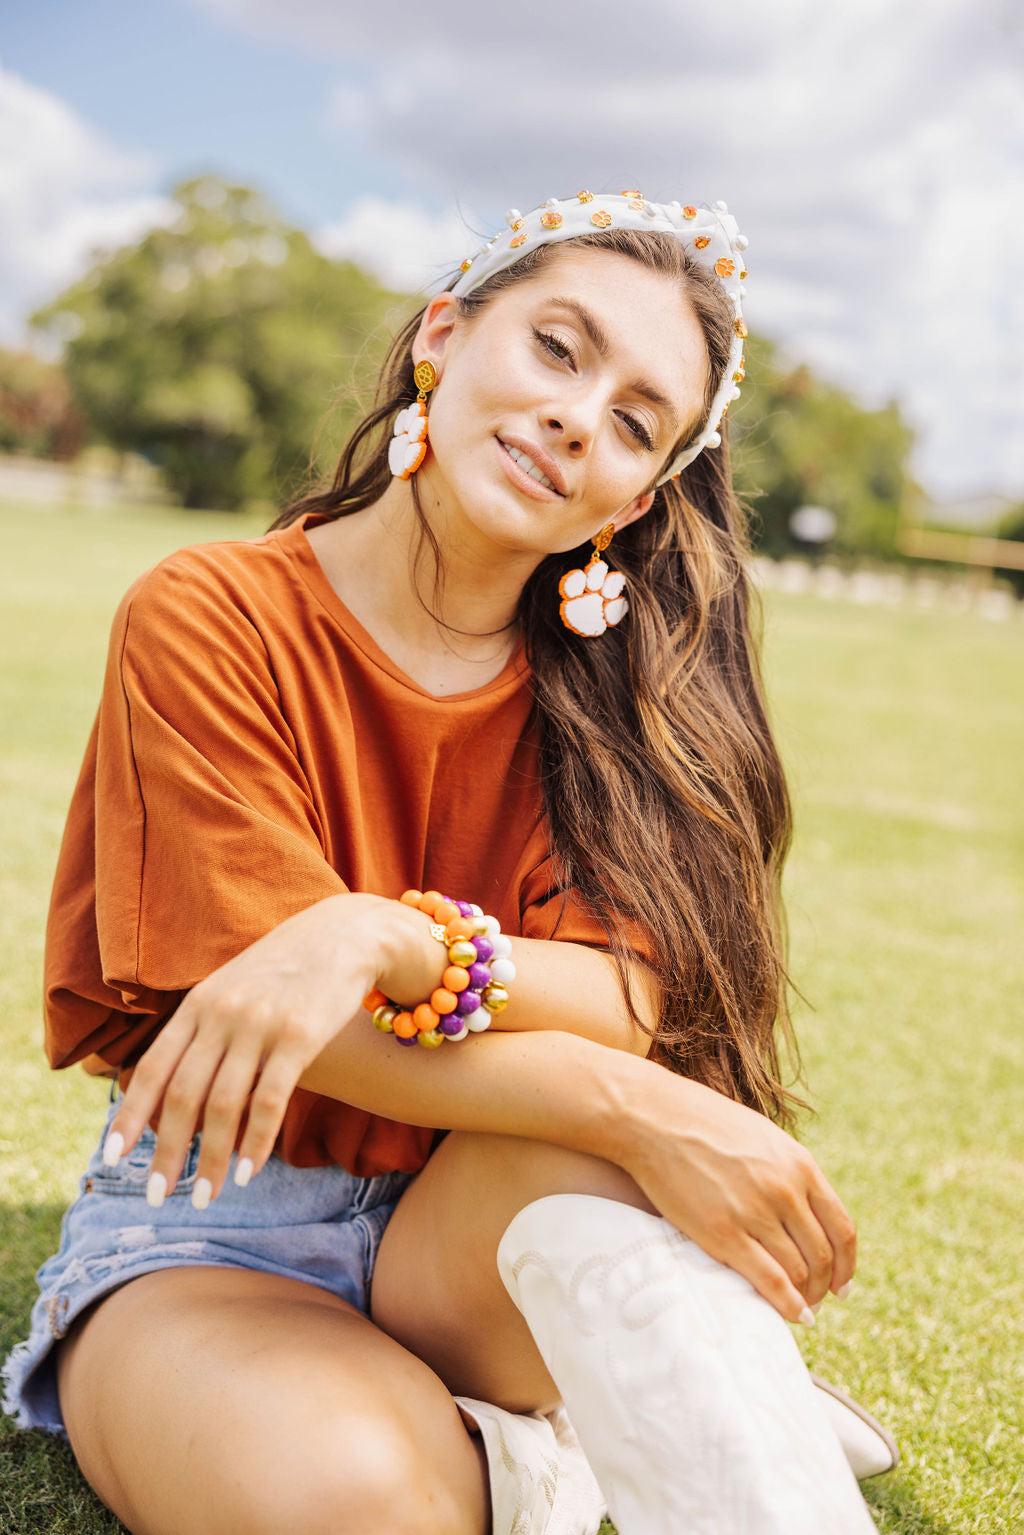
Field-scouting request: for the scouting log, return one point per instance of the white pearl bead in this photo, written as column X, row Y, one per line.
column 502, row 945
column 453, row 1039
column 735, row 394
column 477, row 911
column 715, row 440
column 720, row 207
column 512, row 216
column 552, row 202
column 478, row 1021
column 503, row 970
column 493, row 929
column 741, row 242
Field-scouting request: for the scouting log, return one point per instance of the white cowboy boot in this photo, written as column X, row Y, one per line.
column 686, row 1388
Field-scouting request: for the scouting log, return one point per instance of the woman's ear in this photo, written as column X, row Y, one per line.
column 633, row 510
column 435, row 330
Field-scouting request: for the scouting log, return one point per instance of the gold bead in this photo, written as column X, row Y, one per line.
column 466, row 264
column 479, row 926
column 462, row 952
column 430, row 1039
column 740, row 328
column 384, row 1017
column 494, row 997
column 585, row 197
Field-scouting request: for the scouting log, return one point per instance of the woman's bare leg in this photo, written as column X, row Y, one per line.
column 209, row 1401
column 436, row 1287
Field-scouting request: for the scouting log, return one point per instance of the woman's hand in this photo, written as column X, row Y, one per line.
column 743, row 1189
column 234, row 1051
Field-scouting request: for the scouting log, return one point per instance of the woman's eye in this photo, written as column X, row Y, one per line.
column 554, row 345
column 639, row 431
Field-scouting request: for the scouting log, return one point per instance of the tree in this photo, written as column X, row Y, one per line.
column 217, row 346
column 798, row 441
column 37, row 415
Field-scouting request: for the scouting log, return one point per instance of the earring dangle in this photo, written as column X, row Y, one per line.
column 408, row 446
column 592, row 599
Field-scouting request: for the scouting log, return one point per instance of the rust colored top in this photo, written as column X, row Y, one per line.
column 255, row 751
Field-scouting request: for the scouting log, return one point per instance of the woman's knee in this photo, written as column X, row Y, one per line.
column 374, row 1478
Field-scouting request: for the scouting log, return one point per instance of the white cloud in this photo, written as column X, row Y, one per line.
column 874, row 151
column 64, row 192
column 407, row 248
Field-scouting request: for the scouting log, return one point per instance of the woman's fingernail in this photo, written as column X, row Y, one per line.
column 844, row 1290
column 243, row 1172
column 156, row 1190
column 817, row 1306
column 807, row 1317
column 202, row 1193
column 112, row 1149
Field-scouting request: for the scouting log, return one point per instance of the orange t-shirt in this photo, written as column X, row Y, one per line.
column 255, row 751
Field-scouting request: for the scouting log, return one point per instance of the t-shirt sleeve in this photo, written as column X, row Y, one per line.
column 192, row 829
column 551, row 911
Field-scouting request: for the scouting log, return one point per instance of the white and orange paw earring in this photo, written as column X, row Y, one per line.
column 409, row 444
column 592, row 599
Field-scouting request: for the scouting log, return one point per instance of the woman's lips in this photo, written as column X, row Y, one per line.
column 524, row 481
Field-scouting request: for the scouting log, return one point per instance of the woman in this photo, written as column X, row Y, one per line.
column 330, row 1314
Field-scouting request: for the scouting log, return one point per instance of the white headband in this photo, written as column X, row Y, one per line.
column 710, row 235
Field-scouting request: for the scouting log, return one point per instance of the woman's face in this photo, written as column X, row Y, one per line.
column 587, row 373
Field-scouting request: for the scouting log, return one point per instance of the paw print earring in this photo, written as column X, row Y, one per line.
column 592, row 598
column 409, row 444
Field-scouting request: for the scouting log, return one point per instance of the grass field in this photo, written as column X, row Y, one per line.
column 904, row 734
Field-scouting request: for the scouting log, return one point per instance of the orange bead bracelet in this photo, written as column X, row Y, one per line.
column 473, row 985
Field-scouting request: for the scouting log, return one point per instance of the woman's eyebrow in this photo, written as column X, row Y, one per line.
column 600, row 340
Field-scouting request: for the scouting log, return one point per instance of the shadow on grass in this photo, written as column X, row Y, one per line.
column 41, row 1487
column 896, row 1510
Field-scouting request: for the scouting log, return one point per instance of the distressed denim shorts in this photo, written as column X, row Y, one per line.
column 320, row 1224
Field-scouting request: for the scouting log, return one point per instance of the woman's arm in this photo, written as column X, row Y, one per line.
column 287, row 1012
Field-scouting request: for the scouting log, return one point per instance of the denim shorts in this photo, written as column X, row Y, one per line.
column 320, row 1224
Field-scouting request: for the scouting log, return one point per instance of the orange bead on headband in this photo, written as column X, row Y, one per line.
column 710, row 235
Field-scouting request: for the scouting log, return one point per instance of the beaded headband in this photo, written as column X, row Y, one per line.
column 710, row 235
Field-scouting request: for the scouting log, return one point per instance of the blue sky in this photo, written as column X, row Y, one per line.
column 872, row 150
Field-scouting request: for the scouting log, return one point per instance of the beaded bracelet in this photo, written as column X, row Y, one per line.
column 473, row 987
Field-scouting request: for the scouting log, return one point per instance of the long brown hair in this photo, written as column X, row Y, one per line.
column 663, row 789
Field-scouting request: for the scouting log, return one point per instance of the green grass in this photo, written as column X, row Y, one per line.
column 904, row 735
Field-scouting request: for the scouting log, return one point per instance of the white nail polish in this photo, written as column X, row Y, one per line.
column 817, row 1306
column 202, row 1193
column 844, row 1290
column 243, row 1172
column 156, row 1190
column 113, row 1146
column 807, row 1317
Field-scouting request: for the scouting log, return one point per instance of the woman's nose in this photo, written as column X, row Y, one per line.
column 574, row 434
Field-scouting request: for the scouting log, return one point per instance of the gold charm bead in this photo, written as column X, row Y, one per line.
column 743, row 273
column 585, row 197
column 494, row 997
column 430, row 1039
column 466, row 264
column 740, row 328
column 479, row 926
column 551, row 220
column 437, row 930
column 384, row 1017
column 516, row 224
column 601, row 219
column 424, row 376
column 724, row 267
column 633, row 193
column 517, row 240
column 739, row 376
column 462, row 952
column 689, row 212
column 702, row 242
